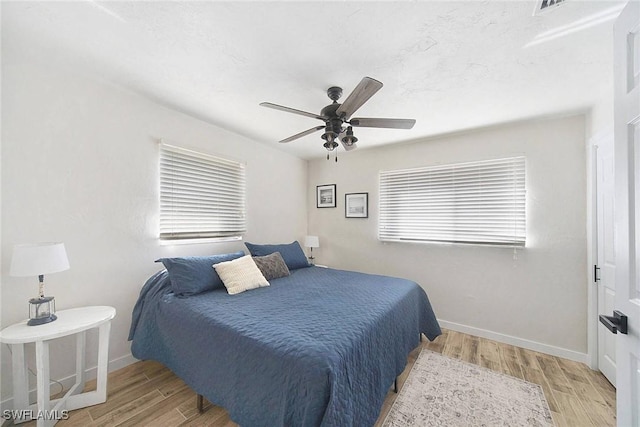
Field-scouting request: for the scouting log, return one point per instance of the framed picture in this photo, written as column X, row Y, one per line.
column 356, row 205
column 326, row 196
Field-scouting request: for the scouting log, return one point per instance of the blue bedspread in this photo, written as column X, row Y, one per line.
column 320, row 347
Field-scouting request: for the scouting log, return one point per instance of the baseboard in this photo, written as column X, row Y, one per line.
column 69, row 381
column 519, row 342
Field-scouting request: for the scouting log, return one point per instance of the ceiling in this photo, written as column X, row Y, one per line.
column 450, row 65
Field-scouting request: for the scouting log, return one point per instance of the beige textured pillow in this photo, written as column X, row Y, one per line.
column 240, row 275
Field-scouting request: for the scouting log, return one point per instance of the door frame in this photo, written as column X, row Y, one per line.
column 592, row 246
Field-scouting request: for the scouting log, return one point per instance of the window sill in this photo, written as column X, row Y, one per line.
column 452, row 243
column 199, row 241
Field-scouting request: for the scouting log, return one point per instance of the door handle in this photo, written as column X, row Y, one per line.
column 615, row 323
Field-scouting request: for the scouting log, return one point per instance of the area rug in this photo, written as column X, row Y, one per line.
column 441, row 391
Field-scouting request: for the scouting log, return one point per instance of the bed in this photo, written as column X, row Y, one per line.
column 320, row 347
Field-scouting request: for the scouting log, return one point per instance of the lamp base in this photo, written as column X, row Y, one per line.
column 42, row 320
column 41, row 310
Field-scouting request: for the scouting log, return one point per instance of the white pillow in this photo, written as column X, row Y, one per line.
column 240, row 275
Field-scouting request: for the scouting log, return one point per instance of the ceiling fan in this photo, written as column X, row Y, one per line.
column 338, row 123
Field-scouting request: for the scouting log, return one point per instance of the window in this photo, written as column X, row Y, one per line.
column 201, row 196
column 478, row 202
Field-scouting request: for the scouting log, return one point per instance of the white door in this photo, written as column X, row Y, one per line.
column 627, row 209
column 605, row 272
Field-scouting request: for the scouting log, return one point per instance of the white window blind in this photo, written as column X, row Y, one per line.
column 477, row 202
column 201, row 196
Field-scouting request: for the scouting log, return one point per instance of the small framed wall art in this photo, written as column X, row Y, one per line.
column 356, row 205
column 326, row 196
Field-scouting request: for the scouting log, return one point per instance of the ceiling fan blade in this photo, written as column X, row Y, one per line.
column 292, row 110
column 305, row 133
column 361, row 94
column 370, row 122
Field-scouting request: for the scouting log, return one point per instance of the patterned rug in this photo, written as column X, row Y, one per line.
column 441, row 391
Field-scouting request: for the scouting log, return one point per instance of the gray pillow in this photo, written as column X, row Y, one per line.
column 272, row 266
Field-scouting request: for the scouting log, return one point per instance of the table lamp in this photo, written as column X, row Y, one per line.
column 311, row 242
column 39, row 259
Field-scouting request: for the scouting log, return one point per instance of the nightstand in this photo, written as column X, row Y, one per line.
column 75, row 321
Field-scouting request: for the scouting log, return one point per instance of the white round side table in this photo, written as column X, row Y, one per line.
column 75, row 321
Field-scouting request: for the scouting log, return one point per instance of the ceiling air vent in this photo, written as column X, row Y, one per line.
column 543, row 6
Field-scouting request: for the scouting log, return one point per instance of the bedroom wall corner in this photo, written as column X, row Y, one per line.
column 80, row 165
column 535, row 291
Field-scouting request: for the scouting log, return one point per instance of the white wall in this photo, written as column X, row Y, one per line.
column 541, row 296
column 80, row 165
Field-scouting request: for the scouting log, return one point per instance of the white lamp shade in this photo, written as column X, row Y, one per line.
column 311, row 242
column 38, row 258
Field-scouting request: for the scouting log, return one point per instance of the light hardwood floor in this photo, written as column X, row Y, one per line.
column 147, row 393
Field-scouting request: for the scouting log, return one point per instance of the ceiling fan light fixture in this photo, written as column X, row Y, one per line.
column 330, row 145
column 329, row 135
column 349, row 139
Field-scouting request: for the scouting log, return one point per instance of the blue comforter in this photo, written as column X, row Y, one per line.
column 320, row 347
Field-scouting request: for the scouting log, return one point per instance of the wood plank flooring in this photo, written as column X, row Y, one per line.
column 147, row 393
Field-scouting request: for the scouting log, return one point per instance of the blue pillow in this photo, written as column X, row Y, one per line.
column 292, row 253
column 195, row 274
